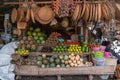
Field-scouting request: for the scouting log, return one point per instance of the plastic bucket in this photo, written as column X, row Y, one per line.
column 106, row 54
column 99, row 61
column 104, row 77
column 102, row 48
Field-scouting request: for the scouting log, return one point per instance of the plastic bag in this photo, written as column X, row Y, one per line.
column 4, row 59
column 11, row 76
column 5, row 76
column 4, row 69
column 9, row 48
column 11, row 68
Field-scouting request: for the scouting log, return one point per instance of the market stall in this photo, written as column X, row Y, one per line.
column 62, row 37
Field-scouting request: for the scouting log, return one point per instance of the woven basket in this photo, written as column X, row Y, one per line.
column 21, row 25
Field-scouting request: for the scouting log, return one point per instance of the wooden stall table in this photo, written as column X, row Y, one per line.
column 36, row 71
column 29, row 70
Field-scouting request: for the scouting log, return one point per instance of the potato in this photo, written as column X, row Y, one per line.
column 69, row 61
column 77, row 57
column 81, row 59
column 71, row 64
column 78, row 62
column 29, row 38
column 66, row 62
column 24, row 38
column 75, row 65
column 74, row 61
column 72, row 58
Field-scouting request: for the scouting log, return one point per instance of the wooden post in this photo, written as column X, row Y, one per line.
column 85, row 33
column 90, row 77
column 49, row 2
column 76, row 27
column 59, row 77
column 18, row 77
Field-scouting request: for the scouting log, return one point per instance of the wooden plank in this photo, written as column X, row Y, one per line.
column 50, row 54
column 86, row 34
column 59, row 77
column 49, row 2
column 26, row 70
column 34, row 70
column 96, row 70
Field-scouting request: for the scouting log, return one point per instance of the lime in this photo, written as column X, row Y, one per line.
column 39, row 34
column 42, row 42
column 38, row 41
column 31, row 28
column 34, row 34
column 36, row 38
column 29, row 33
column 37, row 30
column 41, row 38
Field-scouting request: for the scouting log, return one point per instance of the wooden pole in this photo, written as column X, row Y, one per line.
column 86, row 34
column 17, row 3
column 49, row 2
column 76, row 27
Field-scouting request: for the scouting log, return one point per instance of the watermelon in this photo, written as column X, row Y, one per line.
column 66, row 57
column 57, row 61
column 52, row 65
column 51, row 60
column 43, row 66
column 39, row 58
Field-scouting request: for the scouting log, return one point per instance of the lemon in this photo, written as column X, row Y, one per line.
column 27, row 51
